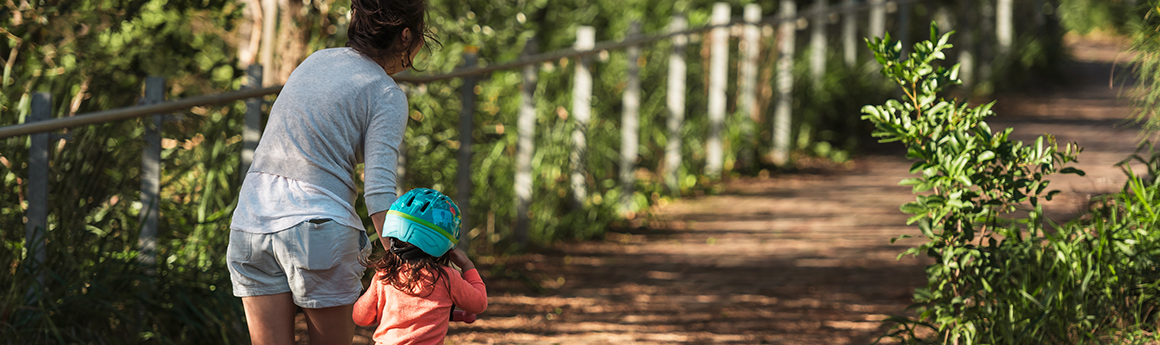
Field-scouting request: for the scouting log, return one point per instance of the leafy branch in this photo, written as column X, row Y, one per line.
column 970, row 182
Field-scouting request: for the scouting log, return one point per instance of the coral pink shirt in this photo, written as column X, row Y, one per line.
column 422, row 319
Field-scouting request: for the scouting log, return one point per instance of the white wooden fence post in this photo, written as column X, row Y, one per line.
column 904, row 26
column 718, row 68
column 581, row 112
column 463, row 171
column 269, row 35
column 850, row 34
column 750, row 49
column 877, row 18
column 1005, row 26
column 675, row 104
column 946, row 21
column 781, row 121
column 151, row 176
column 525, row 146
column 253, row 129
column 986, row 51
column 630, row 123
column 967, row 43
column 35, row 230
column 818, row 42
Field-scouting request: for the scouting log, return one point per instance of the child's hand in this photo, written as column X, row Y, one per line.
column 459, row 258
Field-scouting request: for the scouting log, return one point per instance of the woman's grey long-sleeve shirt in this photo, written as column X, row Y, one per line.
column 338, row 109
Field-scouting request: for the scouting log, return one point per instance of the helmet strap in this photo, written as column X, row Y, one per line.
column 407, row 252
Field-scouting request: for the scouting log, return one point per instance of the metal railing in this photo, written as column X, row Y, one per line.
column 465, row 71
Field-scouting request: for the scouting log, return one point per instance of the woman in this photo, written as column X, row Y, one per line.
column 295, row 239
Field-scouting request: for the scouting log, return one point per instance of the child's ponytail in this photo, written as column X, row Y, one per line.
column 406, row 268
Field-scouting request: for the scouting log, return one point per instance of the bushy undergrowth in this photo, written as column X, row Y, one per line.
column 1001, row 272
column 95, row 290
column 115, row 299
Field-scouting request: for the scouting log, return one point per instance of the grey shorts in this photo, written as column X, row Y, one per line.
column 316, row 261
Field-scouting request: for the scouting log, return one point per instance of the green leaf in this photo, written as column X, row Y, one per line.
column 924, row 70
column 924, row 227
column 938, row 107
column 917, row 167
column 872, row 111
column 915, row 218
column 912, row 208
column 910, row 181
column 964, row 180
column 942, row 41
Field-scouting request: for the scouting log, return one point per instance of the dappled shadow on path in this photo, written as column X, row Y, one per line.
column 1092, row 112
column 800, row 259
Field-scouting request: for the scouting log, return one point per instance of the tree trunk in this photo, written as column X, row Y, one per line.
column 293, row 36
column 249, row 33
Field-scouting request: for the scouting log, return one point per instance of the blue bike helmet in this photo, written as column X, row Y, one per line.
column 426, row 219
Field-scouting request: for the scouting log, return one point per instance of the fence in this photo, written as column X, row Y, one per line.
column 750, row 28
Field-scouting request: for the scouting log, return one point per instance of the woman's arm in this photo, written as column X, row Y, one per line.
column 378, row 219
column 383, row 137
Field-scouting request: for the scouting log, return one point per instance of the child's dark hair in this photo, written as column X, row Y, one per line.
column 375, row 25
column 405, row 267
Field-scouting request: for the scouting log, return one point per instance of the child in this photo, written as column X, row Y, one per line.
column 413, row 292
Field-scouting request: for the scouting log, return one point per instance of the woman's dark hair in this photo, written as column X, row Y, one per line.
column 405, row 267
column 376, row 25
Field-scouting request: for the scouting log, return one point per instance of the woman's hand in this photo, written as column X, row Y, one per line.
column 459, row 258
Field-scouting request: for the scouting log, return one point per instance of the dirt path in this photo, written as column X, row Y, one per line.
column 796, row 259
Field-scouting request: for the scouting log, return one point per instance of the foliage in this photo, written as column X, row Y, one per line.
column 1000, row 275
column 1085, row 16
column 96, row 291
column 1146, row 63
column 93, row 55
column 823, row 127
column 1038, row 55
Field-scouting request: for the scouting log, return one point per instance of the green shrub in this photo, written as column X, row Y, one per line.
column 1000, row 273
column 95, row 291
